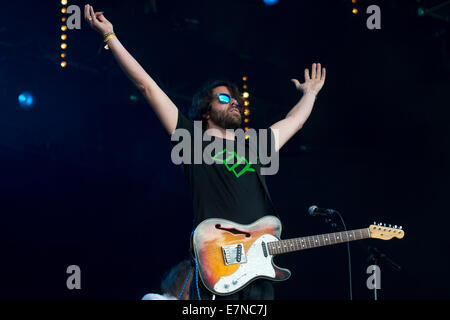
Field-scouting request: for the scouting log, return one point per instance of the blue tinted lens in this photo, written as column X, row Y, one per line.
column 224, row 98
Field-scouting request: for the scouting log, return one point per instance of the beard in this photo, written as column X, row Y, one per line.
column 227, row 119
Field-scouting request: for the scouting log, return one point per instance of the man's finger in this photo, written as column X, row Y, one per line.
column 324, row 72
column 307, row 75
column 313, row 71
column 94, row 18
column 99, row 16
column 86, row 12
column 318, row 73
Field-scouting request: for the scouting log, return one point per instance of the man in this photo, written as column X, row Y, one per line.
column 218, row 191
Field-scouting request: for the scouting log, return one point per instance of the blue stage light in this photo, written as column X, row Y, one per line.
column 270, row 2
column 26, row 99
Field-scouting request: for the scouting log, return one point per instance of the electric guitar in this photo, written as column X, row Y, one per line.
column 231, row 255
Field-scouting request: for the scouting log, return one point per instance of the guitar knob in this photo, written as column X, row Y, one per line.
column 234, row 282
column 226, row 286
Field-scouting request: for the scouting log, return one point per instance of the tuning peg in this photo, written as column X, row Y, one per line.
column 384, row 224
column 389, row 226
column 374, row 223
column 400, row 227
column 395, row 226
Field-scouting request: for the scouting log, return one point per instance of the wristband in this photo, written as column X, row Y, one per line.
column 108, row 36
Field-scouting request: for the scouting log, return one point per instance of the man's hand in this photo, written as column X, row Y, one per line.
column 313, row 83
column 284, row 129
column 97, row 20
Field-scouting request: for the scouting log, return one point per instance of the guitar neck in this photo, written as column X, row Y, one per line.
column 296, row 244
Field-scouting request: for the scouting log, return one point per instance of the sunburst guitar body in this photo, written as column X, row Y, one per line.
column 231, row 255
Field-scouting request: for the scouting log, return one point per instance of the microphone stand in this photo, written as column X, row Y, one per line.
column 374, row 258
column 375, row 255
column 338, row 228
column 379, row 256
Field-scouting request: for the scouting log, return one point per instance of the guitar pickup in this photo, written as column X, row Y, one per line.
column 234, row 254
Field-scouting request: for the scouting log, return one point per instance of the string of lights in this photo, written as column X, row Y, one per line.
column 246, row 95
column 63, row 46
column 354, row 7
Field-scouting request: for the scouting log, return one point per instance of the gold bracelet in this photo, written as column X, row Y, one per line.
column 109, row 37
column 107, row 34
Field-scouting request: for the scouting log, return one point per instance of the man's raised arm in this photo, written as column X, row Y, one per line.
column 284, row 129
column 164, row 108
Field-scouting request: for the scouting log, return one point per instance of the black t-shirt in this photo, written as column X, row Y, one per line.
column 232, row 191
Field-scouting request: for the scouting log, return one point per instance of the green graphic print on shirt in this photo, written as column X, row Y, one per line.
column 234, row 168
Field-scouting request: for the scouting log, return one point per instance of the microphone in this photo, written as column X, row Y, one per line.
column 316, row 211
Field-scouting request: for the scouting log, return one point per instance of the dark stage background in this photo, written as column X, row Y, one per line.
column 86, row 177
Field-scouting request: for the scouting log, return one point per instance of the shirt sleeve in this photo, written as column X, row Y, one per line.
column 182, row 123
column 182, row 139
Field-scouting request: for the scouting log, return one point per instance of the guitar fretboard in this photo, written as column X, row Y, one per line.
column 289, row 245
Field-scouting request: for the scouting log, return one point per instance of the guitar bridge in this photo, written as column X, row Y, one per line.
column 234, row 254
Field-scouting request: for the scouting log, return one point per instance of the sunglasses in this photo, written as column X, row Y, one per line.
column 226, row 98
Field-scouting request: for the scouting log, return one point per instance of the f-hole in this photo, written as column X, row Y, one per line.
column 233, row 230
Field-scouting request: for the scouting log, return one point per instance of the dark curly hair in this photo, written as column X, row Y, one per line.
column 201, row 102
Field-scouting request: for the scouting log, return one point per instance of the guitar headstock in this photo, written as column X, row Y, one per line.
column 383, row 232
